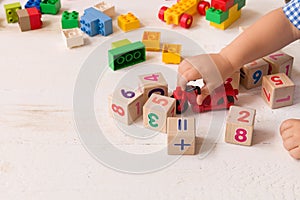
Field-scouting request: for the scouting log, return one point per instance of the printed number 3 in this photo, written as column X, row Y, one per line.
column 152, row 119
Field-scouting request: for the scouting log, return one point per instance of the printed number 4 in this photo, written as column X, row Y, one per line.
column 153, row 77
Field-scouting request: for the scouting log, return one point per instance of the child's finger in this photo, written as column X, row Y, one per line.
column 287, row 133
column 184, row 66
column 286, row 124
column 203, row 95
column 295, row 153
column 290, row 143
column 187, row 76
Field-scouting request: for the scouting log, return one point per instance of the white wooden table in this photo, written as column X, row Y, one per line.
column 42, row 157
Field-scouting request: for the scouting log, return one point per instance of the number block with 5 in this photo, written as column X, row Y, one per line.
column 240, row 125
column 126, row 105
column 156, row 111
column 278, row 90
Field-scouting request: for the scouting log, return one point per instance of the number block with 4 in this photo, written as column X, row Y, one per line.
column 153, row 83
column 252, row 73
column 278, row 90
column 280, row 62
column 240, row 125
column 181, row 136
column 156, row 111
column 126, row 105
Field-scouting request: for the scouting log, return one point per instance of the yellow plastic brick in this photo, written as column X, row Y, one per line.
column 234, row 14
column 151, row 40
column 128, row 22
column 171, row 53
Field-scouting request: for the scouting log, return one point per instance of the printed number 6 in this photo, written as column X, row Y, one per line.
column 128, row 94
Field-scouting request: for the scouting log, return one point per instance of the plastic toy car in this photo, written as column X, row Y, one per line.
column 182, row 12
column 217, row 101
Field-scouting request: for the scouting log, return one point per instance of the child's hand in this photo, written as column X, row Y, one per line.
column 290, row 133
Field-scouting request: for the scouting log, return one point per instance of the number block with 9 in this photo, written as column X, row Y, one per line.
column 278, row 90
column 156, row 111
column 240, row 125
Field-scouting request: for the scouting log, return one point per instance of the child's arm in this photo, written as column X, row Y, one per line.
column 272, row 32
column 290, row 133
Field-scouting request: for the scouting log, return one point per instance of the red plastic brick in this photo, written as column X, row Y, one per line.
column 35, row 18
column 223, row 5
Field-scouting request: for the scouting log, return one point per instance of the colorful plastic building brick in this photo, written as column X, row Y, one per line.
column 94, row 22
column 73, row 37
column 278, row 90
column 171, row 53
column 223, row 5
column 240, row 125
column 181, row 136
column 50, row 6
column 69, row 20
column 280, row 62
column 241, row 3
column 11, row 12
column 29, row 19
column 120, row 43
column 126, row 55
column 128, row 22
column 182, row 12
column 33, row 3
column 216, row 16
column 106, row 8
column 151, row 40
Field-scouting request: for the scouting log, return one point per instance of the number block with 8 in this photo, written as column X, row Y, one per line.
column 240, row 125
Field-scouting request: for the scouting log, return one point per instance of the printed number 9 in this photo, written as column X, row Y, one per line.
column 152, row 118
column 256, row 76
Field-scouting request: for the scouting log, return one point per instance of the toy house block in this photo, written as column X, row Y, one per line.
column 278, row 90
column 280, row 62
column 50, row 6
column 151, row 40
column 241, row 3
column 181, row 136
column 104, row 25
column 33, row 3
column 73, row 37
column 216, row 16
column 171, row 53
column 69, row 20
column 153, row 83
column 29, row 19
column 106, row 8
column 120, row 43
column 240, row 125
column 235, row 80
column 128, row 22
column 126, row 55
column 223, row 5
column 126, row 105
column 156, row 111
column 234, row 14
column 11, row 12
column 252, row 73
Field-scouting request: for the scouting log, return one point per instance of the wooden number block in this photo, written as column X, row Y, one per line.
column 153, row 83
column 181, row 136
column 239, row 125
column 252, row 73
column 156, row 111
column 280, row 62
column 171, row 53
column 278, row 90
column 151, row 40
column 126, row 105
column 235, row 80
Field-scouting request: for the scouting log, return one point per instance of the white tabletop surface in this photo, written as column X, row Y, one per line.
column 42, row 157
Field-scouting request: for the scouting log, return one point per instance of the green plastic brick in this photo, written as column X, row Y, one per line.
column 50, row 6
column 126, row 55
column 11, row 12
column 216, row 16
column 69, row 20
column 241, row 3
column 120, row 43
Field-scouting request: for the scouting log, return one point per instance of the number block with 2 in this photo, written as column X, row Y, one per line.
column 278, row 90
column 126, row 105
column 280, row 62
column 156, row 111
column 240, row 125
column 181, row 136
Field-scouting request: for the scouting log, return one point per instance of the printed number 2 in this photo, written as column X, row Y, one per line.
column 240, row 135
column 245, row 114
column 152, row 120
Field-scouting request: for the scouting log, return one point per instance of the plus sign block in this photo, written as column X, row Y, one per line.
column 153, row 83
column 126, row 105
column 252, row 73
column 106, row 8
column 280, row 62
column 156, row 111
column 278, row 90
column 240, row 125
column 151, row 40
column 171, row 53
column 11, row 12
column 181, row 136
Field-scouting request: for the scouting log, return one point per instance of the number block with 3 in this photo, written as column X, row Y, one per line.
column 126, row 105
column 252, row 73
column 156, row 111
column 181, row 136
column 278, row 90
column 153, row 83
column 280, row 62
column 240, row 125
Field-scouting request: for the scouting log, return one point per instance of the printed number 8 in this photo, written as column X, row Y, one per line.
column 118, row 109
column 240, row 135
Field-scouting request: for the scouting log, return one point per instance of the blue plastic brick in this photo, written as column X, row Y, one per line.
column 89, row 24
column 33, row 3
column 105, row 22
